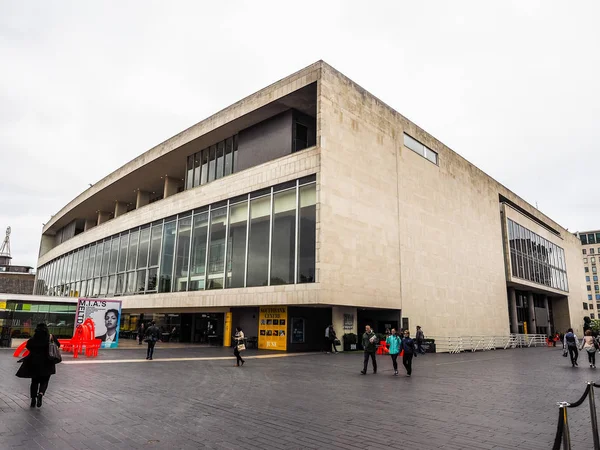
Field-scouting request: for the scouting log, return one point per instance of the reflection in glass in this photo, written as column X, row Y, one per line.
column 216, row 248
column 130, row 289
column 236, row 245
column 284, row 237
column 166, row 262
column 182, row 260
column 141, row 281
column 307, row 234
column 152, row 279
column 198, row 260
column 258, row 242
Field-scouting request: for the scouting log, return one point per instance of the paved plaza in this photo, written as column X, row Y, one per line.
column 190, row 398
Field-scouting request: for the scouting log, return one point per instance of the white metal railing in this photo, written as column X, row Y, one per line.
column 458, row 344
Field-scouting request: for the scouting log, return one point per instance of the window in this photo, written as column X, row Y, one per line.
column 592, row 316
column 597, row 238
column 220, row 159
column 212, row 162
column 594, row 270
column 216, row 248
column 236, row 245
column 142, row 259
column 300, row 137
column 587, row 279
column 166, row 260
column 587, row 269
column 596, row 278
column 182, row 254
column 585, row 260
column 589, row 288
column 283, row 244
column 593, row 259
column 307, row 234
column 584, row 251
column 585, row 306
column 132, row 251
column 591, row 306
column 583, row 238
column 155, row 239
column 198, row 254
column 591, row 251
column 596, row 288
column 421, row 149
column 591, row 238
column 597, row 296
column 589, row 296
column 258, row 242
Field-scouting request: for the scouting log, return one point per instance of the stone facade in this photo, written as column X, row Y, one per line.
column 16, row 283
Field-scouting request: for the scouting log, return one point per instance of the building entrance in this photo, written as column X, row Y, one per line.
column 202, row 328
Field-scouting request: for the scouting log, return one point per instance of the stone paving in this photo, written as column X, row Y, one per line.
column 190, row 398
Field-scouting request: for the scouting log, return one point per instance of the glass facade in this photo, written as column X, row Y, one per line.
column 212, row 163
column 263, row 238
column 536, row 259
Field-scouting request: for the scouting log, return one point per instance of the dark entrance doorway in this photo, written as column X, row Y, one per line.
column 202, row 328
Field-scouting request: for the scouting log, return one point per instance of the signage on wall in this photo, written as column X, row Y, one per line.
column 106, row 315
column 272, row 328
column 348, row 322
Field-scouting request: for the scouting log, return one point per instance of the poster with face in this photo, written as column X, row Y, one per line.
column 106, row 315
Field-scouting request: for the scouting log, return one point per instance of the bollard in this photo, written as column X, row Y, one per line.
column 566, row 437
column 593, row 416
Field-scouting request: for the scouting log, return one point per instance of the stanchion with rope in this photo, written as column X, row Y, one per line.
column 562, row 430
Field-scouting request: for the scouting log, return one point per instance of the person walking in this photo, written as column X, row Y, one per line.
column 571, row 343
column 332, row 338
column 152, row 337
column 393, row 343
column 140, row 333
column 589, row 344
column 238, row 339
column 419, row 340
column 37, row 364
column 408, row 347
column 369, row 342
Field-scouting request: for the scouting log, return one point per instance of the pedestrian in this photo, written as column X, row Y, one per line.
column 572, row 343
column 239, row 346
column 369, row 342
column 326, row 341
column 589, row 344
column 393, row 342
column 332, row 338
column 140, row 333
column 152, row 337
column 561, row 338
column 37, row 364
column 419, row 340
column 408, row 347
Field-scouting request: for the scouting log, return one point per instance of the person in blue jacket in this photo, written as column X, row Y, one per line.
column 393, row 342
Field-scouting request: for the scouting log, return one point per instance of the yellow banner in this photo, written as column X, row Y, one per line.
column 272, row 328
column 227, row 332
column 2, row 304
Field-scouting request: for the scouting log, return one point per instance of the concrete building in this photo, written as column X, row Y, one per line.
column 590, row 251
column 310, row 202
column 14, row 279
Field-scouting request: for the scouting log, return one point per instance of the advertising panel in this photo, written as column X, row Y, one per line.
column 272, row 328
column 106, row 315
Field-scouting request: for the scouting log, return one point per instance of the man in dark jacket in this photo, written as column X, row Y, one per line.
column 408, row 347
column 152, row 336
column 369, row 342
column 419, row 340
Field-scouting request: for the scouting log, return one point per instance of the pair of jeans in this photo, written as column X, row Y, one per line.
column 573, row 353
column 592, row 357
column 373, row 360
column 239, row 358
column 407, row 362
column 38, row 385
column 151, row 345
column 394, row 361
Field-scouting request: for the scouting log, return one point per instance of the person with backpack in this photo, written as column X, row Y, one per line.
column 37, row 365
column 408, row 347
column 393, row 342
column 571, row 343
column 152, row 337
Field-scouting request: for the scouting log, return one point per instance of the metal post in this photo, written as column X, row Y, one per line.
column 566, row 437
column 593, row 416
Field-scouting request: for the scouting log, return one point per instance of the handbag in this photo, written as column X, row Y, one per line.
column 337, row 342
column 54, row 353
column 241, row 347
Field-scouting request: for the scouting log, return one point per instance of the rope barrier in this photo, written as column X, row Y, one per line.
column 580, row 401
column 559, row 430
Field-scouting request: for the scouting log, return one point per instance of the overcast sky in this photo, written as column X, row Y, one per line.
column 85, row 87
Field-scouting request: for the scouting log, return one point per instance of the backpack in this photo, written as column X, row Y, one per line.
column 570, row 337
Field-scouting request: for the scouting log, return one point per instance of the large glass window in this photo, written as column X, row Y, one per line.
column 212, row 160
column 307, row 234
column 124, row 245
column 197, row 169
column 216, row 248
column 220, row 159
column 182, row 260
column 258, row 242
column 133, row 247
column 204, row 161
column 143, row 247
column 155, row 244
column 283, row 257
column 544, row 261
column 75, row 265
column 92, row 262
column 114, row 253
column 105, row 257
column 228, row 156
column 236, row 245
column 166, row 260
column 198, row 260
column 189, row 177
column 98, row 265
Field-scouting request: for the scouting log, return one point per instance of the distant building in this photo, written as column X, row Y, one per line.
column 590, row 241
column 14, row 279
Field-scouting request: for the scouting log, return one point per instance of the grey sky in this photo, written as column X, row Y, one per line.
column 86, row 87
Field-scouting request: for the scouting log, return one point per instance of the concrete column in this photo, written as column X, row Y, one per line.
column 89, row 224
column 512, row 302
column 531, row 326
column 171, row 185
column 143, row 198
column 548, row 314
column 120, row 208
column 103, row 217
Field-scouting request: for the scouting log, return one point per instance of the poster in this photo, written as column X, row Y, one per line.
column 106, row 315
column 272, row 328
column 227, row 332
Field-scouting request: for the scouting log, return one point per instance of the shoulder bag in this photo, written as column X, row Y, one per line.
column 53, row 352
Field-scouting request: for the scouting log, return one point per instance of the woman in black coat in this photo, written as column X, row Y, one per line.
column 37, row 365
